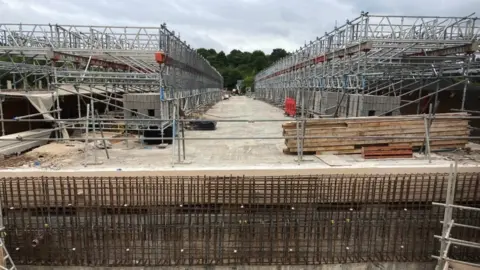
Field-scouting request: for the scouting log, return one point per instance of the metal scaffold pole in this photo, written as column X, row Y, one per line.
column 2, row 124
column 448, row 224
column 6, row 262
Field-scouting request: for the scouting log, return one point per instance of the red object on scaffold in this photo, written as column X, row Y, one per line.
column 290, row 107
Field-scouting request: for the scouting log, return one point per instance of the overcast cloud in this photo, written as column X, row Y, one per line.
column 227, row 24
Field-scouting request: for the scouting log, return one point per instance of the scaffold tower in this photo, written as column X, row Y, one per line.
column 376, row 65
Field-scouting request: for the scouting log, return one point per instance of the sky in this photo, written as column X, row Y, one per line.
column 225, row 25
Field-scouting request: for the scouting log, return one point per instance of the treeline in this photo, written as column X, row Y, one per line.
column 238, row 65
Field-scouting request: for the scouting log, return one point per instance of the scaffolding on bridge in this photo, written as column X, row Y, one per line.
column 45, row 63
column 382, row 62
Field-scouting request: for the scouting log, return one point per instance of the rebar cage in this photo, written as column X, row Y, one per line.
column 157, row 221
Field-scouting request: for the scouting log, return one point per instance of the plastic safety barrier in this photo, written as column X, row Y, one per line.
column 290, row 107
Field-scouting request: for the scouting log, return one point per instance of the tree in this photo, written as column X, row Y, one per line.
column 248, row 81
column 222, row 60
column 235, row 58
column 230, row 77
column 276, row 55
column 238, row 65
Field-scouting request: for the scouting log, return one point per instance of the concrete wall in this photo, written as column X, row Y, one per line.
column 352, row 105
column 365, row 105
column 145, row 103
column 18, row 106
column 329, row 100
column 450, row 99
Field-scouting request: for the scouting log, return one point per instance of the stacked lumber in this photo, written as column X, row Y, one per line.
column 344, row 136
column 380, row 152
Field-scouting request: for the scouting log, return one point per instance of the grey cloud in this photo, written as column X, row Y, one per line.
column 226, row 24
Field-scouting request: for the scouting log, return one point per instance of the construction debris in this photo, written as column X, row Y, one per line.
column 102, row 144
column 203, row 125
column 350, row 135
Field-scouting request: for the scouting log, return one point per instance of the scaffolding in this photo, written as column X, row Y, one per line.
column 45, row 63
column 450, row 226
column 380, row 62
column 371, row 65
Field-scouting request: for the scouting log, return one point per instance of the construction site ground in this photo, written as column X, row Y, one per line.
column 217, row 154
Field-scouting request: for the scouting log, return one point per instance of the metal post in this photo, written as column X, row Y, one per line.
column 427, row 123
column 299, row 157
column 2, row 98
column 103, row 137
column 420, row 97
column 57, row 101
column 177, row 126
column 28, row 113
column 447, row 218
column 174, row 123
column 94, row 131
column 467, row 81
column 85, row 150
column 79, row 110
column 435, row 99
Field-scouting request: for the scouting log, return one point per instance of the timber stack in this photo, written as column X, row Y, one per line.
column 350, row 135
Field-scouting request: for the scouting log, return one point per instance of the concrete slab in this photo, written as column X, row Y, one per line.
column 333, row 160
column 226, row 155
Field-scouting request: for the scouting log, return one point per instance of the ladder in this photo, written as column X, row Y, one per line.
column 7, row 263
column 446, row 240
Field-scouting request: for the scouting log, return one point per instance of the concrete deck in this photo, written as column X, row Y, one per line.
column 218, row 154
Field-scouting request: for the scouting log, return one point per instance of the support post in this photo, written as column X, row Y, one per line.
column 78, row 103
column 174, row 123
column 420, row 97
column 103, row 137
column 85, row 150
column 465, row 86
column 177, row 116
column 447, row 218
column 427, row 124
column 92, row 110
column 2, row 99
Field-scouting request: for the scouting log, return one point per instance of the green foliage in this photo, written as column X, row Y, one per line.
column 248, row 81
column 238, row 65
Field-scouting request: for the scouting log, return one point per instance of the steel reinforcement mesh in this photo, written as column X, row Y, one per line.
column 155, row 221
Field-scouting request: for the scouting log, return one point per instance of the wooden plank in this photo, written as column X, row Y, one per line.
column 353, row 141
column 388, row 157
column 378, row 124
column 387, row 148
column 339, row 152
column 397, row 129
column 354, row 120
column 437, row 144
column 391, row 132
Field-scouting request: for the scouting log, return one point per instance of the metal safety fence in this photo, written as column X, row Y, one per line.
column 157, row 221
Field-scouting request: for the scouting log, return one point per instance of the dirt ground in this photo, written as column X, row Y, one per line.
column 51, row 156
